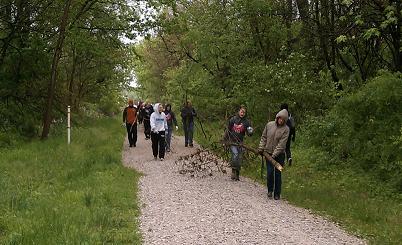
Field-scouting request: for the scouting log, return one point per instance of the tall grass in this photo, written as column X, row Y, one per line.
column 361, row 204
column 51, row 193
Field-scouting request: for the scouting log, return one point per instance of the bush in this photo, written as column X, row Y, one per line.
column 363, row 129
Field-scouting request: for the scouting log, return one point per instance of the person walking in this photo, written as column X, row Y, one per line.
column 187, row 115
column 146, row 116
column 171, row 119
column 158, row 127
column 130, row 121
column 273, row 141
column 238, row 126
column 292, row 133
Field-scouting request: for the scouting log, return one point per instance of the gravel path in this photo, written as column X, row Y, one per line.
column 178, row 209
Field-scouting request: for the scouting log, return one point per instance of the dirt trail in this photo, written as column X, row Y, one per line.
column 178, row 209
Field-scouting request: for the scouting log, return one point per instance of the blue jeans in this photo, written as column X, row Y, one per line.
column 188, row 133
column 236, row 152
column 276, row 189
column 168, row 137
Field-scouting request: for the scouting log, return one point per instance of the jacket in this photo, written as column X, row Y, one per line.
column 274, row 137
column 158, row 120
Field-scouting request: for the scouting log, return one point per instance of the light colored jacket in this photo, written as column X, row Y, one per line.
column 274, row 138
column 158, row 120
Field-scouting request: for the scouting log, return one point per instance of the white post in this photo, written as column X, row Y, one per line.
column 68, row 125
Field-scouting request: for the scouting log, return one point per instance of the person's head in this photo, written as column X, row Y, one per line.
column 168, row 107
column 242, row 111
column 160, row 108
column 281, row 117
column 188, row 103
column 130, row 102
column 285, row 106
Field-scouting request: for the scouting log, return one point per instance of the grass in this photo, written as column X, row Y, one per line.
column 359, row 203
column 52, row 193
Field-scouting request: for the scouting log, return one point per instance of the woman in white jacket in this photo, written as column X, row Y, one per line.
column 158, row 127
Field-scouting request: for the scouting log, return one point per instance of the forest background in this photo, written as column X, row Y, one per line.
column 337, row 63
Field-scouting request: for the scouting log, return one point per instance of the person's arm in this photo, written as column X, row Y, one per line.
column 281, row 144
column 263, row 140
column 165, row 122
column 124, row 114
column 152, row 122
column 174, row 118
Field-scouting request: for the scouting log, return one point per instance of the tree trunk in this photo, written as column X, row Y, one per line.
column 47, row 118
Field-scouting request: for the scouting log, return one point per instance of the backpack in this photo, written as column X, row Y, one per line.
column 131, row 115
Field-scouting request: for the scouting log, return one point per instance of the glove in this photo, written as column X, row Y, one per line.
column 260, row 151
column 177, row 127
column 250, row 131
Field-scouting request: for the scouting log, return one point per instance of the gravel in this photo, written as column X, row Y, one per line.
column 212, row 209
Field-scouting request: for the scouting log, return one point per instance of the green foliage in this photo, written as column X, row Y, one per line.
column 361, row 129
column 55, row 193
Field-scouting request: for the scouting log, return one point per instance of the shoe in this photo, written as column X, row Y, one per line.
column 233, row 176
column 290, row 162
column 277, row 197
column 131, row 146
column 167, row 150
column 186, row 145
column 161, row 159
column 155, row 158
column 238, row 175
column 191, row 145
column 269, row 194
column 134, row 145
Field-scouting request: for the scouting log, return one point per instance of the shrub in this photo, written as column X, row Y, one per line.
column 364, row 128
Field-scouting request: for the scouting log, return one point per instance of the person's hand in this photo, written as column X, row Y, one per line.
column 177, row 127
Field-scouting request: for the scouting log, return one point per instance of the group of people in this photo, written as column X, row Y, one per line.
column 159, row 122
column 275, row 141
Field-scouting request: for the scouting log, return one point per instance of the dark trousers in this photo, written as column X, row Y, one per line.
column 158, row 144
column 147, row 128
column 274, row 175
column 188, row 133
column 288, row 153
column 132, row 133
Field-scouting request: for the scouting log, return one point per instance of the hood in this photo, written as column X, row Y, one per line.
column 282, row 114
column 156, row 106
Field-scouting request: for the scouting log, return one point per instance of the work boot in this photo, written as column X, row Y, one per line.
column 233, row 176
column 237, row 174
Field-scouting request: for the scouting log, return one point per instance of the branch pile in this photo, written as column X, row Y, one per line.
column 202, row 164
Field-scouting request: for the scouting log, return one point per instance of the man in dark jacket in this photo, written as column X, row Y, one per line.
column 130, row 121
column 292, row 134
column 238, row 126
column 171, row 119
column 146, row 115
column 187, row 115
